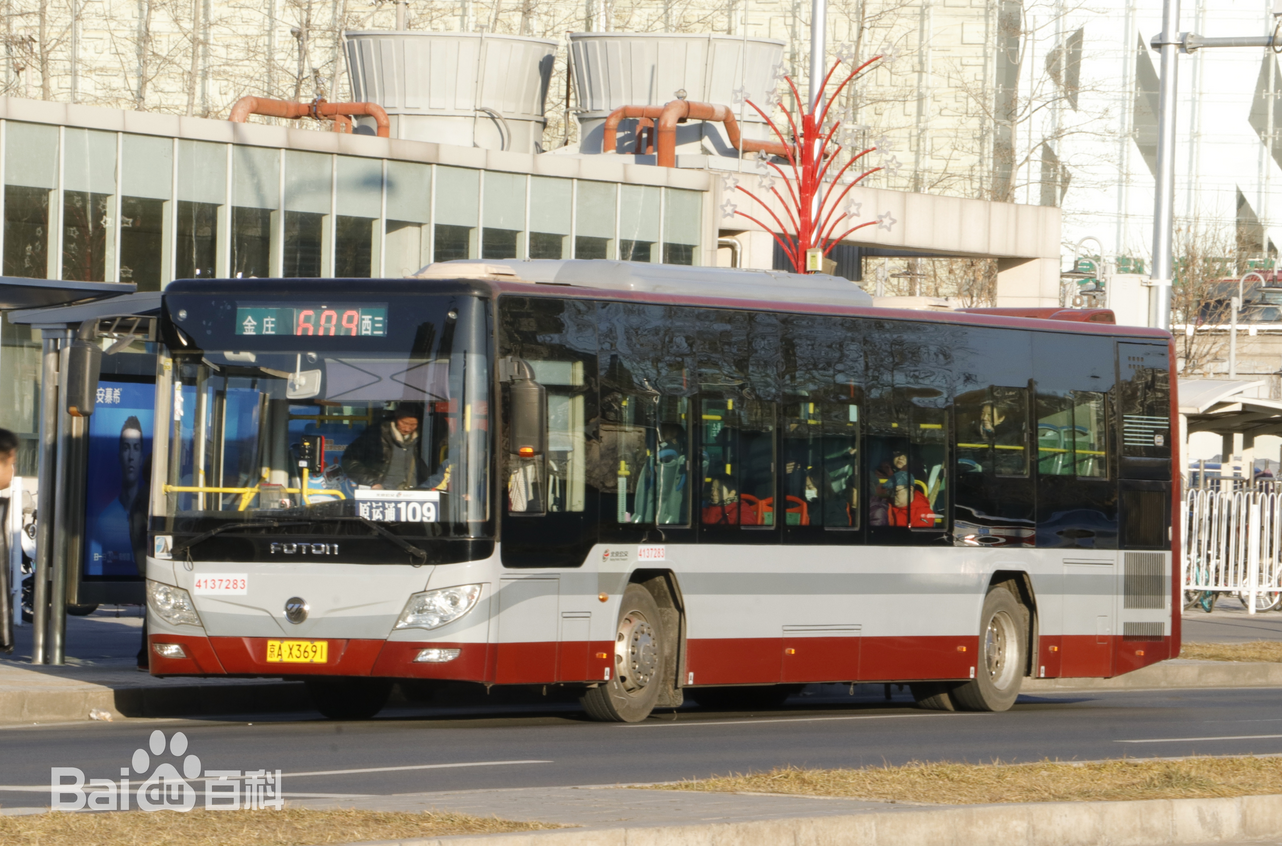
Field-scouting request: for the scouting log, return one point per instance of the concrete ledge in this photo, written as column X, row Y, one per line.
column 74, row 702
column 1147, row 823
column 1172, row 674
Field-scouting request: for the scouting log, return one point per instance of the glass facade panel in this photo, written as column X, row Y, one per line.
column 146, row 186
column 457, row 196
column 255, row 195
column 504, row 233
column 550, row 207
column 309, row 182
column 360, row 196
column 30, row 174
column 89, row 186
column 639, row 223
column 409, row 211
column 681, row 226
column 202, row 193
column 594, row 220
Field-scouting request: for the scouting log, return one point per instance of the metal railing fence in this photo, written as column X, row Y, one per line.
column 1233, row 542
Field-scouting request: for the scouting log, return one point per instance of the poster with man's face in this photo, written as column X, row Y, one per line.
column 119, row 447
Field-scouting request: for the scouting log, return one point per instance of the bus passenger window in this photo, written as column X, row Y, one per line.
column 1072, row 435
column 992, row 431
column 821, row 464
column 737, row 443
column 554, row 482
column 907, row 482
column 652, row 448
column 1090, row 435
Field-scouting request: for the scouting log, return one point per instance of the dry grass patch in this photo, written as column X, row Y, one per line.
column 290, row 827
column 1257, row 650
column 1047, row 781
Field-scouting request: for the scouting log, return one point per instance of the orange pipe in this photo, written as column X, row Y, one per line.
column 609, row 137
column 679, row 111
column 340, row 113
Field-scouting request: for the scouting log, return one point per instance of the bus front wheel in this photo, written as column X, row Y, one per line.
column 1003, row 652
column 640, row 666
column 349, row 699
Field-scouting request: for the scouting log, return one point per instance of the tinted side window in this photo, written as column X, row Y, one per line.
column 645, row 471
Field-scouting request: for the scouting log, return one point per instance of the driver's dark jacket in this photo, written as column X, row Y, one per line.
column 368, row 457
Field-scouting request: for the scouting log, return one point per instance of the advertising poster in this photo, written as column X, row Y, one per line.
column 119, row 465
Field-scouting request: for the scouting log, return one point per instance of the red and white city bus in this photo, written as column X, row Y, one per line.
column 647, row 482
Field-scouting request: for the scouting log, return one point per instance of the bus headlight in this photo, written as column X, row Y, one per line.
column 434, row 608
column 171, row 604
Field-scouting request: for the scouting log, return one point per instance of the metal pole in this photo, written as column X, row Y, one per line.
column 44, row 496
column 61, row 523
column 1236, row 304
column 1159, row 294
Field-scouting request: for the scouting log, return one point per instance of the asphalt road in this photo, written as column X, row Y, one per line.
column 536, row 744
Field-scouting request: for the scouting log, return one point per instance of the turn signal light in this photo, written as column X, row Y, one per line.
column 526, row 452
column 961, row 649
column 790, row 652
column 1054, row 649
column 603, row 655
column 1139, row 652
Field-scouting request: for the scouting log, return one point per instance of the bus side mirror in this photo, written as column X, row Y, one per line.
column 80, row 382
column 529, row 418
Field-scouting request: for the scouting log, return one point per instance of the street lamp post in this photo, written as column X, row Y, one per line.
column 1170, row 42
column 1237, row 305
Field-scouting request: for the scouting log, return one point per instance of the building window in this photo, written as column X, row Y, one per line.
column 202, row 195
column 682, row 226
column 309, row 186
column 550, row 205
column 30, row 174
column 360, row 194
column 255, row 200
column 594, row 221
column 504, row 233
column 639, row 223
column 88, row 205
column 457, row 209
column 146, row 188
column 409, row 212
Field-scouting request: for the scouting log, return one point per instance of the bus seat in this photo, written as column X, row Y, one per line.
column 798, row 513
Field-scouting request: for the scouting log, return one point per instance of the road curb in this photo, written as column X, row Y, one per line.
column 1172, row 674
column 1145, row 823
column 75, row 702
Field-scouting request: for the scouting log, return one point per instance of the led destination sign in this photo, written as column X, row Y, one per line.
column 321, row 319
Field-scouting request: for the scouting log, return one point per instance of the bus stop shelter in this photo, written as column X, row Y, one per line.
column 60, row 310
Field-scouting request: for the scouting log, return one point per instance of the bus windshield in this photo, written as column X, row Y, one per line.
column 323, row 415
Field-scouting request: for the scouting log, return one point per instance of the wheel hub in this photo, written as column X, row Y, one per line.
column 636, row 654
column 998, row 636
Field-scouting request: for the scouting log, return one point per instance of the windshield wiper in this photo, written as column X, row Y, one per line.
column 267, row 523
column 386, row 533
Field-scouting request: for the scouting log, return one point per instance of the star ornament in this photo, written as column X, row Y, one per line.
column 728, row 208
column 846, row 53
column 891, row 165
column 762, row 164
column 852, row 209
column 740, row 95
column 729, row 182
column 765, row 182
column 885, row 221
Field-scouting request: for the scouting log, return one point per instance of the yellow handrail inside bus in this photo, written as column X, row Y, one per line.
column 247, row 494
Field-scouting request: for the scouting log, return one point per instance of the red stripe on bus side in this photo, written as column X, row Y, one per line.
column 711, row 661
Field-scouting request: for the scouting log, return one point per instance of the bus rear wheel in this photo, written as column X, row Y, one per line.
column 934, row 696
column 640, row 666
column 1003, row 652
column 349, row 699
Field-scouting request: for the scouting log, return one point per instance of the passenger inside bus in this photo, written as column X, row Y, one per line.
column 899, row 498
column 724, row 507
column 388, row 454
column 662, row 487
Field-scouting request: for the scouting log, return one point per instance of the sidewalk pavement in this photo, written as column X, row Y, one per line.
column 623, row 816
column 100, row 674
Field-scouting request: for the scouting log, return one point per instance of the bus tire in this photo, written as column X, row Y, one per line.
column 640, row 668
column 348, row 699
column 933, row 696
column 1003, row 652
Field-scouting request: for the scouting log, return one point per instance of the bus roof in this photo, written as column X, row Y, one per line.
column 641, row 277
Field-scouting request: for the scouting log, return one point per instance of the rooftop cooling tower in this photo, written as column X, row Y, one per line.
column 613, row 69
column 462, row 88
